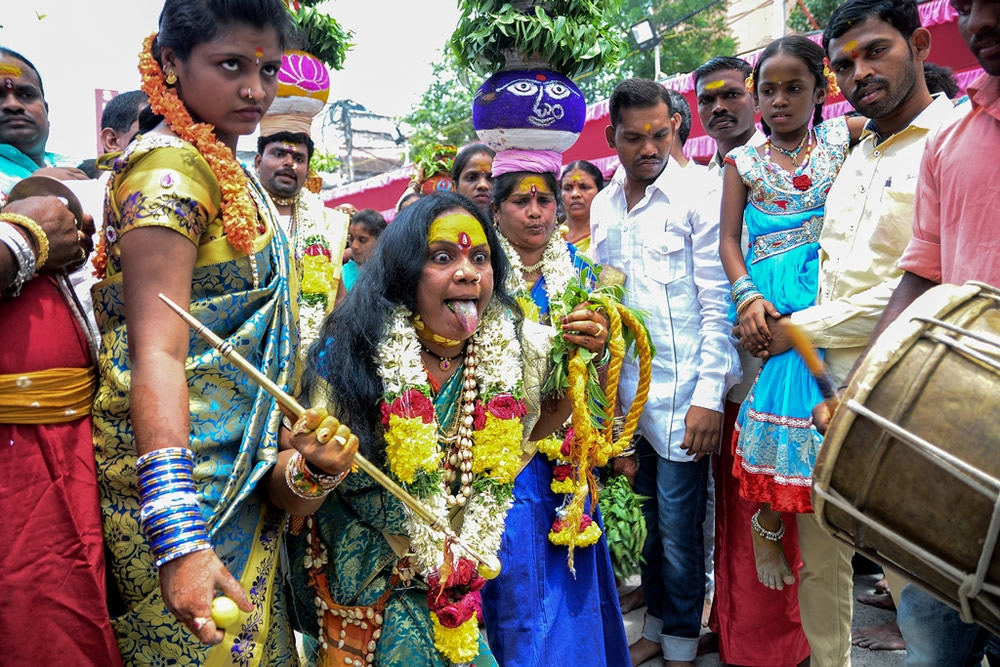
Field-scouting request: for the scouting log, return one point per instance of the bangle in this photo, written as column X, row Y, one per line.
column 747, row 301
column 169, row 513
column 741, row 286
column 37, row 232
column 23, row 255
column 617, row 427
column 287, row 423
column 306, row 484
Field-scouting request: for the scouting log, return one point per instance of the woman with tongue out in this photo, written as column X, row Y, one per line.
column 432, row 366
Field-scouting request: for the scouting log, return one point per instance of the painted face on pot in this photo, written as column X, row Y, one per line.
column 520, row 108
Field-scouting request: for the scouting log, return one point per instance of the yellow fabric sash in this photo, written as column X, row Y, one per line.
column 256, row 623
column 52, row 396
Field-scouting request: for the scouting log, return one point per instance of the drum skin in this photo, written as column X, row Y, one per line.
column 946, row 398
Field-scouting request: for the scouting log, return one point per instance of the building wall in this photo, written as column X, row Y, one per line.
column 755, row 23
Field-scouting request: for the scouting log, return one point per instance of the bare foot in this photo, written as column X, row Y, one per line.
column 880, row 600
column 632, row 600
column 706, row 611
column 882, row 586
column 883, row 637
column 708, row 642
column 772, row 568
column 643, row 650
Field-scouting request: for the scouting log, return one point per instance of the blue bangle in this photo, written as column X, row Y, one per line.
column 170, row 516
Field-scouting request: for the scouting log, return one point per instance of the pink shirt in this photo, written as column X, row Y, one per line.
column 955, row 232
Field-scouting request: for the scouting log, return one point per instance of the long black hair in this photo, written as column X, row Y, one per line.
column 805, row 50
column 344, row 356
column 184, row 24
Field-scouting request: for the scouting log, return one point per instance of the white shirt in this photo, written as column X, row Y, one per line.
column 749, row 363
column 668, row 248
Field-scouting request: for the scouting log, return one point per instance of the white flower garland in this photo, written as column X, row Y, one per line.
column 557, row 268
column 498, row 372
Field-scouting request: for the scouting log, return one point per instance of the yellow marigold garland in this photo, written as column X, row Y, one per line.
column 491, row 451
column 407, row 443
column 459, row 644
column 239, row 215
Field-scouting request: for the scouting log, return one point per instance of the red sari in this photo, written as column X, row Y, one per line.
column 52, row 577
column 757, row 627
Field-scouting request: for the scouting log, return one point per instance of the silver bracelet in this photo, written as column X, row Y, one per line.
column 23, row 255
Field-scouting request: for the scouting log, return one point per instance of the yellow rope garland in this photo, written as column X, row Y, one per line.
column 594, row 447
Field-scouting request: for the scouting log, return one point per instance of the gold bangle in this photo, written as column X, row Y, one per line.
column 743, row 306
column 36, row 232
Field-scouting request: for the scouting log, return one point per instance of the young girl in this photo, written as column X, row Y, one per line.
column 193, row 488
column 779, row 190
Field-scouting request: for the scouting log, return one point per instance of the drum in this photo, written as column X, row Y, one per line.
column 908, row 472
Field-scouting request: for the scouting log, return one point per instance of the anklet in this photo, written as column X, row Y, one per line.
column 772, row 535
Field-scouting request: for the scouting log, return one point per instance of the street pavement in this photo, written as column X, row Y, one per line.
column 864, row 616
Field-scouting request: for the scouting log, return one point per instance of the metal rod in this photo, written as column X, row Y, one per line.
column 293, row 406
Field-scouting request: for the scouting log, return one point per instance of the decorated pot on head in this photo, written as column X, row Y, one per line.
column 303, row 89
column 529, row 109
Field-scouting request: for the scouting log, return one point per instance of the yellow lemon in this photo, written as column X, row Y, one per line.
column 224, row 612
column 491, row 571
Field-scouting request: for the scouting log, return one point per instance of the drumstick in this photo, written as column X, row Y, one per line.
column 296, row 408
column 816, row 367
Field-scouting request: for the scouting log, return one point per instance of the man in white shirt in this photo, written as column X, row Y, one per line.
column 652, row 222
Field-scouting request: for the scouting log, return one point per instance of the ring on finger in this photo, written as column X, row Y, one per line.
column 600, row 331
column 340, row 440
column 323, row 435
column 301, row 426
column 199, row 622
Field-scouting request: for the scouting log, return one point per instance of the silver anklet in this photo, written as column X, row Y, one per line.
column 772, row 535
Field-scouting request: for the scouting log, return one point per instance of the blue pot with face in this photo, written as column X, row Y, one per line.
column 529, row 109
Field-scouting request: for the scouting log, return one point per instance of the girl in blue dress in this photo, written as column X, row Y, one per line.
column 779, row 191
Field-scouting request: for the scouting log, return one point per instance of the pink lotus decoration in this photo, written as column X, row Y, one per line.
column 302, row 74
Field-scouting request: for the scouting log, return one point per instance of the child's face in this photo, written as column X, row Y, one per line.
column 230, row 81
column 787, row 93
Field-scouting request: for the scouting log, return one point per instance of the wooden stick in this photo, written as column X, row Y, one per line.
column 816, row 367
column 293, row 406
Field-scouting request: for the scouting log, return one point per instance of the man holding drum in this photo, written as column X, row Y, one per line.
column 876, row 49
column 955, row 239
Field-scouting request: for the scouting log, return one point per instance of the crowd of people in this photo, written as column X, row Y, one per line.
column 146, row 476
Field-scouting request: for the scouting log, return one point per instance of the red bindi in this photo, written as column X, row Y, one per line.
column 463, row 241
column 541, row 77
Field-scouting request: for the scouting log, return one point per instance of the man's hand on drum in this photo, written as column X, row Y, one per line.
column 324, row 442
column 586, row 328
column 702, row 431
column 188, row 585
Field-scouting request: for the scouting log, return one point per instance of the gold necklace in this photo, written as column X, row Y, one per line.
column 283, row 201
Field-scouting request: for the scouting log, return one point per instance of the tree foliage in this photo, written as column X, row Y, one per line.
column 820, row 10
column 687, row 41
column 444, row 113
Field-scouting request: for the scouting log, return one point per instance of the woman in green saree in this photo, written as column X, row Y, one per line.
column 433, row 368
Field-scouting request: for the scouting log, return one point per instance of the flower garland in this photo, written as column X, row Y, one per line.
column 492, row 407
column 313, row 226
column 239, row 215
column 557, row 269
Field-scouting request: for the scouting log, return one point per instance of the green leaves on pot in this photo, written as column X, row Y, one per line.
column 624, row 526
column 320, row 34
column 571, row 36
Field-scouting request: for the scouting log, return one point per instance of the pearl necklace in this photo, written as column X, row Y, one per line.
column 460, row 458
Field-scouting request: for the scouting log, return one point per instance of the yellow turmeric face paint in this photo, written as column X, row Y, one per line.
column 533, row 185
column 10, row 70
column 715, row 84
column 648, row 126
column 851, row 45
column 459, row 228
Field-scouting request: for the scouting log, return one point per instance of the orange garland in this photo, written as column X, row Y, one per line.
column 239, row 214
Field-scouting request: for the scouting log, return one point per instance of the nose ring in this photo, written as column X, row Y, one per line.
column 478, row 278
column 249, row 94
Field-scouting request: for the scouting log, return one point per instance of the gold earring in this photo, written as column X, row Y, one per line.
column 171, row 78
